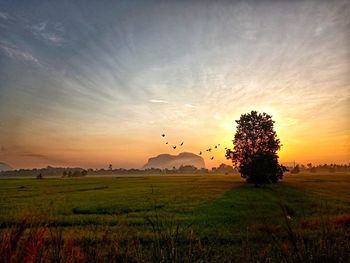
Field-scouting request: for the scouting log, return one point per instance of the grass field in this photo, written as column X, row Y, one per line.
column 221, row 211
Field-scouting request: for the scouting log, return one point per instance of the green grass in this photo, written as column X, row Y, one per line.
column 215, row 205
column 107, row 200
column 213, row 215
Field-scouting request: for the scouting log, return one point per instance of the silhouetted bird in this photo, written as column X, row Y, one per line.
column 211, row 158
column 166, row 143
column 219, row 144
column 181, row 143
column 209, row 150
column 174, row 147
column 163, row 135
column 200, row 153
column 215, row 147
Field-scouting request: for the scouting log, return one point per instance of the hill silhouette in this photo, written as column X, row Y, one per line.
column 5, row 167
column 169, row 161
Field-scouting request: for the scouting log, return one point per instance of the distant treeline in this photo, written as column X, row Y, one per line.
column 48, row 171
column 332, row 168
column 76, row 172
column 184, row 169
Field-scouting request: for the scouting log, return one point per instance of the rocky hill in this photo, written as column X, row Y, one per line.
column 4, row 167
column 169, row 161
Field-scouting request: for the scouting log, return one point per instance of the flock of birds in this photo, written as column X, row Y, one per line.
column 209, row 150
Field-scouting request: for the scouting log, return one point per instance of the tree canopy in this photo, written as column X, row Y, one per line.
column 255, row 149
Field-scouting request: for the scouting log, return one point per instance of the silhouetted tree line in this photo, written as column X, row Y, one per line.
column 184, row 169
column 48, row 171
column 76, row 172
column 332, row 168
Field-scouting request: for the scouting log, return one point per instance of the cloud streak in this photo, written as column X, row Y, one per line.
column 4, row 16
column 14, row 52
column 42, row 32
column 159, row 101
column 187, row 105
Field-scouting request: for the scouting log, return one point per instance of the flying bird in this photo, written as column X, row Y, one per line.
column 216, row 147
column 163, row 135
column 200, row 153
column 209, row 150
column 211, row 158
column 174, row 147
column 181, row 143
column 166, row 143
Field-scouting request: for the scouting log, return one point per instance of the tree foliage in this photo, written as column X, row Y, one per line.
column 255, row 149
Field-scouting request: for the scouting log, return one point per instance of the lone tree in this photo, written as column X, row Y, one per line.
column 255, row 149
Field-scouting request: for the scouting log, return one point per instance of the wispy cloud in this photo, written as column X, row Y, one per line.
column 4, row 16
column 187, row 105
column 14, row 52
column 158, row 101
column 40, row 27
column 289, row 121
column 42, row 31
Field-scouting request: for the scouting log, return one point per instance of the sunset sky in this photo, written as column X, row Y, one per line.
column 87, row 84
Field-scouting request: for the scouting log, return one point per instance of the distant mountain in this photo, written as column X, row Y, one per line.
column 5, row 167
column 169, row 161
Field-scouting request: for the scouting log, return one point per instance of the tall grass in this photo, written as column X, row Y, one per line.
column 171, row 241
column 325, row 239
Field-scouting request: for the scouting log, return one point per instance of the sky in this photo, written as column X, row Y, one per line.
column 86, row 83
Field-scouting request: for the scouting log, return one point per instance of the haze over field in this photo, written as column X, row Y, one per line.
column 86, row 84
